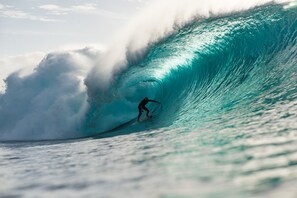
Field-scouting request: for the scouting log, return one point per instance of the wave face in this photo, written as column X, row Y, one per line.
column 235, row 71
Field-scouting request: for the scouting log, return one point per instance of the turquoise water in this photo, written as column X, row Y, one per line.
column 227, row 127
column 221, row 73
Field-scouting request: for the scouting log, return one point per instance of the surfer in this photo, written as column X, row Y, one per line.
column 142, row 107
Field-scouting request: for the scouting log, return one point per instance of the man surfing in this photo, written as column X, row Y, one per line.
column 142, row 107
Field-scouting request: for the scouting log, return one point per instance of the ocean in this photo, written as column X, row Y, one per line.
column 226, row 127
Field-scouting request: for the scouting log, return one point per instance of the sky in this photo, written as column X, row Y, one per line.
column 29, row 29
column 44, row 25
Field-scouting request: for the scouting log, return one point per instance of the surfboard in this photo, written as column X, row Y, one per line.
column 145, row 118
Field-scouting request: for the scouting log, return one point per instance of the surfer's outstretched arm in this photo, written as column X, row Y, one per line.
column 154, row 101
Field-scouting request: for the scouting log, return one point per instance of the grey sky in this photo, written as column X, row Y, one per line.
column 45, row 25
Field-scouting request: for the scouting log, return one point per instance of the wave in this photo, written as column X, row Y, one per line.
column 206, row 67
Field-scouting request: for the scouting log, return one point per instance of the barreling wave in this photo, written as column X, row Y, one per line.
column 218, row 71
column 210, row 71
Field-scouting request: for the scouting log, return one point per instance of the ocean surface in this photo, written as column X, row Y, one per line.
column 227, row 126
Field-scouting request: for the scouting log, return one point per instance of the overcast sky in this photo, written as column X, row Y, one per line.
column 45, row 25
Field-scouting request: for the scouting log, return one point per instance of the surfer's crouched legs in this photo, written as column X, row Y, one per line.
column 147, row 111
column 139, row 114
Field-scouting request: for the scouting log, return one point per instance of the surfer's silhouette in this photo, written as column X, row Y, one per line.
column 142, row 107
